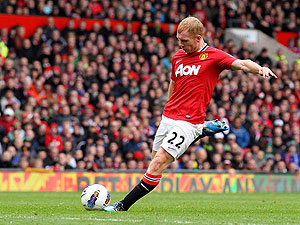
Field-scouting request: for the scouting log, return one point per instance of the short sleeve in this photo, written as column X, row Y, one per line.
column 173, row 77
column 224, row 60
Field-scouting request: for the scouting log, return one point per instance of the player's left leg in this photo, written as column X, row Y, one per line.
column 212, row 127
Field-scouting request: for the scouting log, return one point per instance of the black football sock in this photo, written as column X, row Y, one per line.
column 146, row 185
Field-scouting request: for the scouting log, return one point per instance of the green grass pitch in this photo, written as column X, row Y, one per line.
column 156, row 208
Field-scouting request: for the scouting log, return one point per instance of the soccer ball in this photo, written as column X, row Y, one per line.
column 95, row 197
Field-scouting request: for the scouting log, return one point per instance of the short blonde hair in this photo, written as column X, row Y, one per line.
column 192, row 24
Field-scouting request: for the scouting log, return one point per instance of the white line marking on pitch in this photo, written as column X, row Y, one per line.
column 121, row 220
column 93, row 219
column 114, row 220
column 97, row 219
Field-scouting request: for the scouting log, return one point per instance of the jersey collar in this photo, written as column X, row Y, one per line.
column 203, row 48
column 200, row 50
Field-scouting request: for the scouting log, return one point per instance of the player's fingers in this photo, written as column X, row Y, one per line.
column 270, row 73
column 265, row 73
column 273, row 74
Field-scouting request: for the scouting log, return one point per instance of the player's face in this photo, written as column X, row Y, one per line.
column 188, row 42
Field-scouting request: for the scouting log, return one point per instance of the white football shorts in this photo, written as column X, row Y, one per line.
column 175, row 136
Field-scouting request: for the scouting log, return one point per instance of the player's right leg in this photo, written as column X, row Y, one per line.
column 150, row 180
column 142, row 187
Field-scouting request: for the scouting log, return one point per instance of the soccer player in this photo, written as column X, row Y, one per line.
column 195, row 71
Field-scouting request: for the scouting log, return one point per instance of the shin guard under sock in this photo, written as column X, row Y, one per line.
column 147, row 184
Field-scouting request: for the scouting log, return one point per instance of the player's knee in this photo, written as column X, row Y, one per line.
column 159, row 163
column 155, row 165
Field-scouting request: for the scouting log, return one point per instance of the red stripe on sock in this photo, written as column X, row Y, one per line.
column 151, row 182
column 153, row 176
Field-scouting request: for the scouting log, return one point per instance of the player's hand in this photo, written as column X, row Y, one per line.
column 265, row 72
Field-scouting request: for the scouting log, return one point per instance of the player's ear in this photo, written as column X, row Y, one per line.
column 199, row 37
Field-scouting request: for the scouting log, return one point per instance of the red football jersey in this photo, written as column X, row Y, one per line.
column 195, row 76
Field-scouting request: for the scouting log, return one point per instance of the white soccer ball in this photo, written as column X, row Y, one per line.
column 95, row 197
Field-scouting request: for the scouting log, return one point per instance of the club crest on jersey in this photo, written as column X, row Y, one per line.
column 187, row 70
column 203, row 56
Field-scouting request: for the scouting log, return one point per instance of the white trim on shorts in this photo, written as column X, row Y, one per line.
column 175, row 136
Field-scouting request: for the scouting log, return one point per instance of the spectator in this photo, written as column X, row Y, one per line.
column 18, row 37
column 280, row 57
column 52, row 156
column 48, row 29
column 27, row 51
column 24, row 164
column 265, row 25
column 134, row 144
column 216, row 161
column 70, row 28
column 242, row 135
column 9, row 99
column 37, row 164
column 251, row 165
column 5, row 161
column 237, row 162
column 7, row 121
column 263, row 58
column 53, row 137
column 291, row 156
column 62, row 163
column 228, row 166
column 131, row 164
column 265, row 139
column 292, row 167
column 201, row 158
column 108, row 163
column 280, row 167
column 259, row 159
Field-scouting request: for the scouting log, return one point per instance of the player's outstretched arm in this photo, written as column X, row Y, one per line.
column 249, row 66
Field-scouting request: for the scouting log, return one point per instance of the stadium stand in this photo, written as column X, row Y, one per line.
column 75, row 98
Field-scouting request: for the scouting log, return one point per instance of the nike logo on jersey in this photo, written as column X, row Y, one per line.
column 187, row 70
column 178, row 61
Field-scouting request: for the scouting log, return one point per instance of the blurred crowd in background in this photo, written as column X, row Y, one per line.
column 92, row 100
